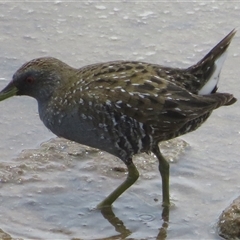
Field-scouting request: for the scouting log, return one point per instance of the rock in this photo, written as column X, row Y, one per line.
column 229, row 221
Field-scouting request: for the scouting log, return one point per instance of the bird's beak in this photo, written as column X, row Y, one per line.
column 9, row 91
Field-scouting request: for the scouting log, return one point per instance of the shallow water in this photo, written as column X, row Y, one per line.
column 51, row 194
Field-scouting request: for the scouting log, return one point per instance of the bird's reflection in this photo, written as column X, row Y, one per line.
column 119, row 226
column 124, row 232
column 162, row 234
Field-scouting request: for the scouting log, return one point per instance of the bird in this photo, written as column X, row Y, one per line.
column 124, row 107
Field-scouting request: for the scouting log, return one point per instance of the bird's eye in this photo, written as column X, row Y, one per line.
column 29, row 80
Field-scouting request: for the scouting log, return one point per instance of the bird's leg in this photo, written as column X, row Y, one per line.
column 164, row 171
column 132, row 177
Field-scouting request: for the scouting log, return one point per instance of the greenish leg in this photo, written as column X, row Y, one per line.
column 164, row 171
column 132, row 177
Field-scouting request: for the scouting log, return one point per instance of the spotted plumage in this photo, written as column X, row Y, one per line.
column 124, row 107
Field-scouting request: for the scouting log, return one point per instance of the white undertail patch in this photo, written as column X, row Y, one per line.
column 213, row 80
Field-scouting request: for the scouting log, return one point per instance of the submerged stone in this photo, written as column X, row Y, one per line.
column 229, row 221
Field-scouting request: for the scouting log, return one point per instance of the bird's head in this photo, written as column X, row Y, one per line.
column 38, row 78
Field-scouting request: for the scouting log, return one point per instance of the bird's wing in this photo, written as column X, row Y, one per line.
column 146, row 98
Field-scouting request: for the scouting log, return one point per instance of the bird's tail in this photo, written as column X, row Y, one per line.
column 222, row 99
column 210, row 66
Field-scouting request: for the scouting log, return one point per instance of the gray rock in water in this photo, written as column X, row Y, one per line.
column 229, row 221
